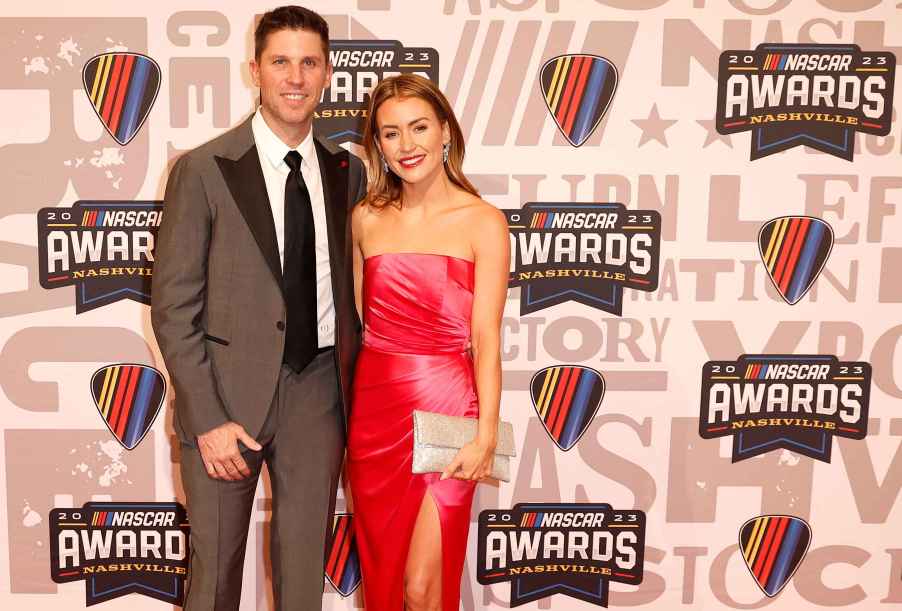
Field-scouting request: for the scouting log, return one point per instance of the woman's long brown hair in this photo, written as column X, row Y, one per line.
column 385, row 187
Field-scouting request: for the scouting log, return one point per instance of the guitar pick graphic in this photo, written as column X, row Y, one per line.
column 128, row 397
column 342, row 563
column 578, row 89
column 566, row 398
column 122, row 88
column 794, row 250
column 773, row 548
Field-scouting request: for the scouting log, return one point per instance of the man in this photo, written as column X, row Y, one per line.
column 253, row 309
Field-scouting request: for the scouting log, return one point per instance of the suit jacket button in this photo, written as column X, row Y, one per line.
column 280, row 326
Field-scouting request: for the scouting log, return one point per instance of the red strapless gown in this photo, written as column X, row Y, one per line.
column 416, row 314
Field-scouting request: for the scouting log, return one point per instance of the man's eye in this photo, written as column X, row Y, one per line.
column 309, row 62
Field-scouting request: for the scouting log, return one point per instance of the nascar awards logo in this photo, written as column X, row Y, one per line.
column 566, row 399
column 586, row 253
column 120, row 548
column 574, row 549
column 578, row 89
column 122, row 88
column 794, row 250
column 102, row 248
column 811, row 94
column 773, row 547
column 357, row 67
column 128, row 398
column 769, row 401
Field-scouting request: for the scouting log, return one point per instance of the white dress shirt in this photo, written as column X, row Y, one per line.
column 272, row 151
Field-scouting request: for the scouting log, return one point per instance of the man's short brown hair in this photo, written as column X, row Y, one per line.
column 290, row 18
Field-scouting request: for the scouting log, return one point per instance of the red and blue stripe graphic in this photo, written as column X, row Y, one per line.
column 794, row 250
column 93, row 218
column 122, row 88
column 773, row 548
column 578, row 89
column 128, row 397
column 542, row 220
column 756, row 371
column 532, row 519
column 342, row 562
column 566, row 399
column 102, row 518
column 775, row 62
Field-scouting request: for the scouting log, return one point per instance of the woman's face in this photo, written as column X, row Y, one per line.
column 411, row 137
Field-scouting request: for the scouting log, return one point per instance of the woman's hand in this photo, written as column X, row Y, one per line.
column 473, row 462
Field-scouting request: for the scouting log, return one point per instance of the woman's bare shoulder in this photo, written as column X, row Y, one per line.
column 486, row 225
column 477, row 210
column 358, row 214
column 364, row 213
column 362, row 218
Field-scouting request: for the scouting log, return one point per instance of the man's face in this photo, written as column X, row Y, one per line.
column 291, row 74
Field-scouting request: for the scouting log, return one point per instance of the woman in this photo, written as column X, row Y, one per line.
column 430, row 273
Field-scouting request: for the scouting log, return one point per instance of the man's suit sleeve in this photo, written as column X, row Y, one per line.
column 360, row 189
column 179, row 298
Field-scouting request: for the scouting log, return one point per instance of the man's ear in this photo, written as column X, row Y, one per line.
column 255, row 72
column 328, row 75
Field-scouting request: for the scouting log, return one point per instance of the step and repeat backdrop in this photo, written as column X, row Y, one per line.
column 701, row 344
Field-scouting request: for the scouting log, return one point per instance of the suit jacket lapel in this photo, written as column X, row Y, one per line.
column 244, row 178
column 334, row 172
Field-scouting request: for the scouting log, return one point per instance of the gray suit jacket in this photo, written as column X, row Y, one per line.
column 217, row 306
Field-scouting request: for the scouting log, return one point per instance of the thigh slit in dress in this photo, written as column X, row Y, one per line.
column 416, row 311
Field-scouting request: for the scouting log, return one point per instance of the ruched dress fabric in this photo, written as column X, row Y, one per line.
column 416, row 315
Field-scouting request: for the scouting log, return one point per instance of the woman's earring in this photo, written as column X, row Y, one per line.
column 445, row 149
column 385, row 165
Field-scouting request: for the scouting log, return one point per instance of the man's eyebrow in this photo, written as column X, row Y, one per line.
column 284, row 56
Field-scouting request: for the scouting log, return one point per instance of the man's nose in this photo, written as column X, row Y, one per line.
column 296, row 74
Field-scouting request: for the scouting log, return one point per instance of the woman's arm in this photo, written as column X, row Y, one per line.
column 492, row 255
column 490, row 244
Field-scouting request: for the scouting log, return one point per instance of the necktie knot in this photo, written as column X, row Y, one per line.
column 293, row 159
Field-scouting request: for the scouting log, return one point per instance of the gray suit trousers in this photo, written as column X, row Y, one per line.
column 303, row 443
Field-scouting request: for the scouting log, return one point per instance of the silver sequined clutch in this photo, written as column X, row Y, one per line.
column 437, row 438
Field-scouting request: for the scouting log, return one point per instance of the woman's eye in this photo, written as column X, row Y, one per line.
column 420, row 128
column 390, row 134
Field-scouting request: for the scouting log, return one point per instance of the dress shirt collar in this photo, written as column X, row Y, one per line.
column 274, row 150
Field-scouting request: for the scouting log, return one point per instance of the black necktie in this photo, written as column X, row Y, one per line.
column 299, row 269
